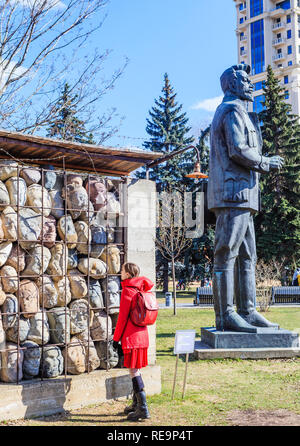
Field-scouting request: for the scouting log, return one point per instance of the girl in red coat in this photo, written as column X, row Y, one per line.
column 134, row 339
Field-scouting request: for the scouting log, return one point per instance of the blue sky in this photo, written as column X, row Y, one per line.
column 192, row 40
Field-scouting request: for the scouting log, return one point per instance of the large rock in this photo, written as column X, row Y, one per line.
column 4, row 195
column 77, row 283
column 99, row 239
column 38, row 196
column 32, row 359
column 80, row 316
column 15, row 187
column 20, row 328
column 59, row 322
column 63, row 292
column 52, row 363
column 74, row 357
column 88, row 214
column 110, row 360
column 48, row 234
column 76, row 198
column 72, row 258
column 101, row 329
column 58, row 261
column 37, row 261
column 84, row 236
column 111, row 289
column 9, row 279
column 47, row 291
column 95, row 295
column 92, row 360
column 1, row 231
column 9, row 310
column 8, row 168
column 49, row 177
column 29, row 297
column 97, row 191
column 111, row 256
column 30, row 175
column 2, row 338
column 30, row 226
column 16, row 258
column 2, row 296
column 66, row 231
column 57, row 204
column 9, row 223
column 96, row 268
column 75, row 179
column 11, row 361
column 5, row 250
column 112, row 206
column 39, row 331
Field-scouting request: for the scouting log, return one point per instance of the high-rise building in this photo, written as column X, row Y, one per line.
column 268, row 33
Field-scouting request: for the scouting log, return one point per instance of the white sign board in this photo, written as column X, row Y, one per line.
column 184, row 341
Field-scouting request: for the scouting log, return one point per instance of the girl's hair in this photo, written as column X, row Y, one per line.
column 132, row 269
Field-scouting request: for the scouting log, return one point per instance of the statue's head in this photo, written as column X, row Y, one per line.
column 235, row 80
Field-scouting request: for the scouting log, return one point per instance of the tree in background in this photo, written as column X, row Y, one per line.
column 66, row 125
column 41, row 41
column 278, row 224
column 168, row 130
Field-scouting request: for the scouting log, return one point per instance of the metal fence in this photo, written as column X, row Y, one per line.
column 75, row 319
column 278, row 295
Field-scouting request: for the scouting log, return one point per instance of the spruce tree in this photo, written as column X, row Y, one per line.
column 168, row 129
column 278, row 224
column 66, row 125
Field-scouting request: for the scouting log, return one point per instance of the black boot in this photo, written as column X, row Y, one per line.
column 226, row 318
column 133, row 406
column 141, row 411
column 245, row 295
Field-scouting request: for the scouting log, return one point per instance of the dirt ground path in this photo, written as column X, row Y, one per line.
column 111, row 414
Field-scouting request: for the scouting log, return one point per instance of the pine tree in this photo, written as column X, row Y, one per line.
column 66, row 125
column 168, row 131
column 278, row 224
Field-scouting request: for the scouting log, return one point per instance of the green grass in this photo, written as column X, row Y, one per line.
column 215, row 387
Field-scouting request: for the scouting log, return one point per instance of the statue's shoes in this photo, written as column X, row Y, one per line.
column 234, row 322
column 256, row 319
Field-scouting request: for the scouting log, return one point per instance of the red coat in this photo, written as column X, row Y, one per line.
column 131, row 335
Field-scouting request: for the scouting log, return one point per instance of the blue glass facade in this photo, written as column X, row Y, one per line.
column 256, row 7
column 257, row 104
column 257, row 47
column 286, row 4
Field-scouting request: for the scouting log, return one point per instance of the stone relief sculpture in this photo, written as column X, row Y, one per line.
column 235, row 165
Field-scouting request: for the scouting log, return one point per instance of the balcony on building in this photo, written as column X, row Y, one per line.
column 243, row 53
column 278, row 42
column 277, row 12
column 279, row 56
column 243, row 38
column 277, row 26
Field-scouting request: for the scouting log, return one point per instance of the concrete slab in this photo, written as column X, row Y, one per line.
column 204, row 351
column 264, row 338
column 39, row 398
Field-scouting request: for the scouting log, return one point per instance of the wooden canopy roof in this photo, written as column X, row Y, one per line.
column 71, row 155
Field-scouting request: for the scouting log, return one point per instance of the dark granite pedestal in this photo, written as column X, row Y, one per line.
column 264, row 338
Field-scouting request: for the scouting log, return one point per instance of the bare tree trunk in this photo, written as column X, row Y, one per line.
column 166, row 276
column 174, row 285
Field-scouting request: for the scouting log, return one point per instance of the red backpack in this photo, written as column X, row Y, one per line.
column 144, row 308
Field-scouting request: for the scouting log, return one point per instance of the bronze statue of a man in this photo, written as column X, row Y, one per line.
column 235, row 165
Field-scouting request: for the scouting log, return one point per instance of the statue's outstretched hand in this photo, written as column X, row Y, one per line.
column 276, row 162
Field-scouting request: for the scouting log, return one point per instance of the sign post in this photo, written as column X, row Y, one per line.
column 184, row 343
